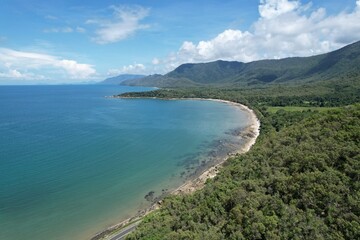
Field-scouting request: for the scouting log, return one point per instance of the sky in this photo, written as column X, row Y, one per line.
column 73, row 41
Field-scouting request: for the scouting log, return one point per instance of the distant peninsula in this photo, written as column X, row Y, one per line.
column 120, row 78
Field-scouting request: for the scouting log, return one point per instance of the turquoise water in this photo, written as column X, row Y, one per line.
column 73, row 162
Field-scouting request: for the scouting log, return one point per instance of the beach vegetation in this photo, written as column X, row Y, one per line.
column 301, row 180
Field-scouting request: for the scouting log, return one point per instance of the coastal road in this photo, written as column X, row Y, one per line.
column 125, row 231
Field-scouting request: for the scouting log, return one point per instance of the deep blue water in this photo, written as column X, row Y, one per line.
column 73, row 162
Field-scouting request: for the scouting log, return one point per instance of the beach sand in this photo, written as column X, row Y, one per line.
column 249, row 135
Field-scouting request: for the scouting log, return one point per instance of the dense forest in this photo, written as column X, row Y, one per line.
column 301, row 180
column 330, row 93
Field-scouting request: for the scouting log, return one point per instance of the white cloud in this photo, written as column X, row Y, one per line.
column 16, row 74
column 80, row 29
column 274, row 8
column 155, row 61
column 51, row 17
column 59, row 30
column 222, row 46
column 26, row 65
column 136, row 68
column 65, row 30
column 125, row 22
column 74, row 69
column 284, row 28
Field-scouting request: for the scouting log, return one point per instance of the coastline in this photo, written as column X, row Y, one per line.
column 249, row 135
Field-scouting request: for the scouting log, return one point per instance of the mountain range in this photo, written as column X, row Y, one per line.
column 120, row 78
column 339, row 63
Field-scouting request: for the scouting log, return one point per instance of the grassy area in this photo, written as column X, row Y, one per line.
column 299, row 109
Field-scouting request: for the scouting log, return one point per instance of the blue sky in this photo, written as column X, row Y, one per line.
column 62, row 41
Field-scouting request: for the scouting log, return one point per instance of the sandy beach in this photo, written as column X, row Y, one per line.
column 248, row 135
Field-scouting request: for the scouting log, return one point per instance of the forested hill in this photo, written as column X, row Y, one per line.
column 300, row 181
column 336, row 64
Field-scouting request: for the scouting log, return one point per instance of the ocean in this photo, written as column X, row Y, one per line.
column 73, row 162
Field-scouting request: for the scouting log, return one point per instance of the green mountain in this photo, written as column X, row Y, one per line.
column 119, row 79
column 339, row 63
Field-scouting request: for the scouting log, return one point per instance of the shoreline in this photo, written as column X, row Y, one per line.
column 249, row 135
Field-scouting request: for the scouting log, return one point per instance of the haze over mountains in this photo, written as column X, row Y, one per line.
column 339, row 63
column 119, row 79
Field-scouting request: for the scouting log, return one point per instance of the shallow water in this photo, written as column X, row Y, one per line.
column 73, row 162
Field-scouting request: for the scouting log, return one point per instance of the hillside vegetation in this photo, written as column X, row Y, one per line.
column 333, row 65
column 300, row 181
column 338, row 92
